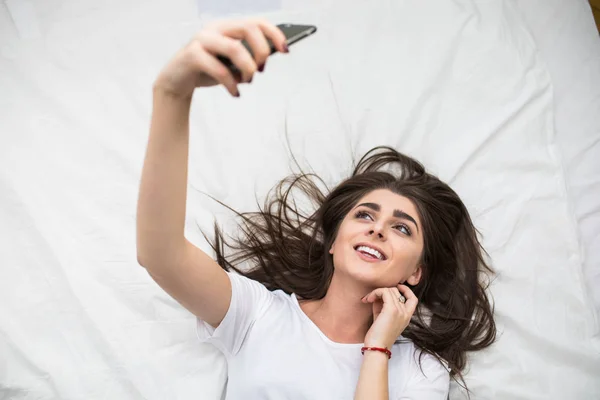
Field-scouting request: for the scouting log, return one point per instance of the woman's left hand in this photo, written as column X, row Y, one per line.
column 390, row 316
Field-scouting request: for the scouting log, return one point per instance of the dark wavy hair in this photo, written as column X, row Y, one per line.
column 288, row 248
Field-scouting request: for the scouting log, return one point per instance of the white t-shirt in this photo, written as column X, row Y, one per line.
column 274, row 351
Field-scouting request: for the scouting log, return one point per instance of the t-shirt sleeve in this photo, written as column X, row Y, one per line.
column 430, row 382
column 249, row 299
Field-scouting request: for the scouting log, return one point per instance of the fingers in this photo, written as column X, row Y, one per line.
column 208, row 64
column 255, row 33
column 259, row 45
column 392, row 295
column 275, row 35
column 230, row 52
column 242, row 29
column 374, row 295
column 385, row 294
column 397, row 295
column 411, row 298
column 235, row 51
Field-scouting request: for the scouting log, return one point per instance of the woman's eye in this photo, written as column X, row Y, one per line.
column 404, row 229
column 363, row 215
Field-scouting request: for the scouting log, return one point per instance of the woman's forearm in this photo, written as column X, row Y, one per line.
column 373, row 378
column 163, row 187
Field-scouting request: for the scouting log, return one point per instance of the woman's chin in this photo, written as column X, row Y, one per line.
column 369, row 277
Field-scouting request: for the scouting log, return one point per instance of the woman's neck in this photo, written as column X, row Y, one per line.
column 341, row 315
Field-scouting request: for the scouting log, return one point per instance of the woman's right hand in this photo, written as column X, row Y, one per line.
column 196, row 64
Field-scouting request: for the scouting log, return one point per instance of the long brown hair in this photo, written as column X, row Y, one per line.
column 288, row 248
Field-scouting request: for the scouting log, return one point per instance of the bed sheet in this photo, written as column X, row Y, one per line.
column 569, row 45
column 487, row 94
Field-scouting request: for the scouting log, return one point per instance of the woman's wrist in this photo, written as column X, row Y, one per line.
column 375, row 355
column 161, row 89
column 378, row 343
column 373, row 378
column 171, row 103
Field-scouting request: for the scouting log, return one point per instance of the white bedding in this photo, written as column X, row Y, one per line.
column 500, row 98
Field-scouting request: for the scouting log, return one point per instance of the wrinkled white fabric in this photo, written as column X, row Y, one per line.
column 499, row 98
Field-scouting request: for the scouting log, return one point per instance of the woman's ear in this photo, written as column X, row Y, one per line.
column 414, row 279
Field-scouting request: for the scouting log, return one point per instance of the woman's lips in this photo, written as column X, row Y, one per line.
column 367, row 257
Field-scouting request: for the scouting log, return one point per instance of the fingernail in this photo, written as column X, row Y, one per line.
column 237, row 94
column 250, row 80
column 285, row 48
column 261, row 67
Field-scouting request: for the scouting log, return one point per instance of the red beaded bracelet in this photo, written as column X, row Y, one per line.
column 381, row 349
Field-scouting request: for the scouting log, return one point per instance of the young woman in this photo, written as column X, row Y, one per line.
column 377, row 294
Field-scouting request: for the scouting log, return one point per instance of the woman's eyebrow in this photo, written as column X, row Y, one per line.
column 397, row 213
column 402, row 215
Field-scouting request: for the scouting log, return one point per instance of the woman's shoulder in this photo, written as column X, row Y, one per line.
column 266, row 300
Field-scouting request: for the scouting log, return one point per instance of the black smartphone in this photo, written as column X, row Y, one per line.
column 293, row 33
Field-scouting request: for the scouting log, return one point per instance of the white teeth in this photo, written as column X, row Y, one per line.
column 371, row 251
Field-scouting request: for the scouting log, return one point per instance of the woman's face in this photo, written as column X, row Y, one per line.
column 380, row 241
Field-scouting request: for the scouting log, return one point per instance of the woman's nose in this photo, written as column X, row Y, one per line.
column 376, row 231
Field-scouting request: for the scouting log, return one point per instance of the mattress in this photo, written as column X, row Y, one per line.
column 499, row 98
